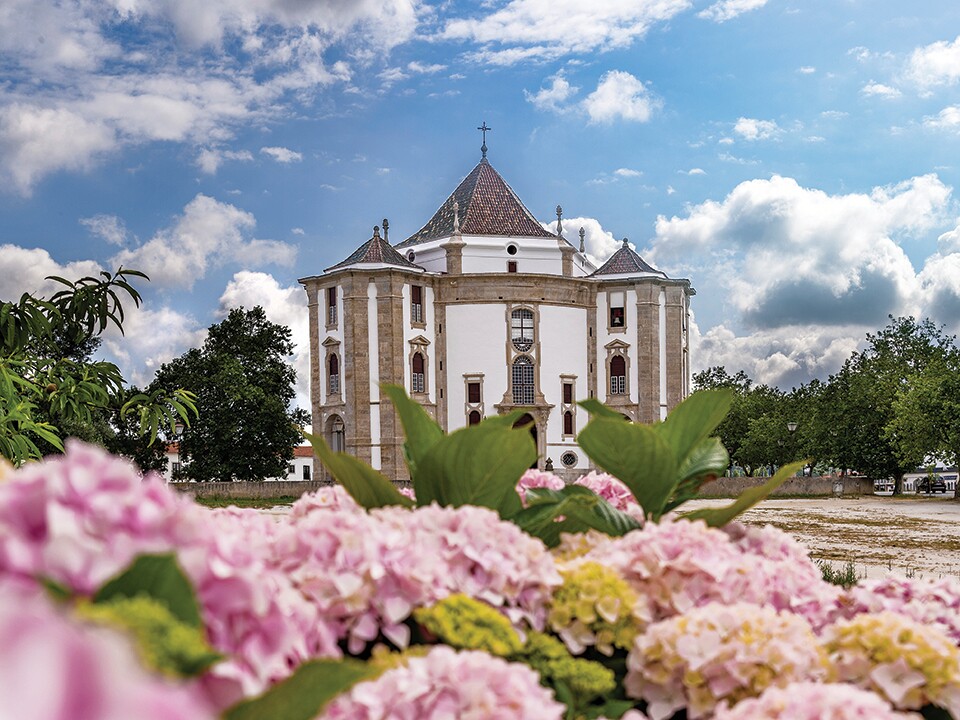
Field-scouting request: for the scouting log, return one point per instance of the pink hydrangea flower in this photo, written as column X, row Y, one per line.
column 930, row 601
column 534, row 478
column 610, row 489
column 719, row 653
column 813, row 701
column 53, row 668
column 446, row 684
column 334, row 497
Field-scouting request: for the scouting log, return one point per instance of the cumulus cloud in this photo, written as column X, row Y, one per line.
column 210, row 159
column 282, row 154
column 804, row 274
column 25, row 269
column 554, row 96
column 627, row 172
column 524, row 30
column 753, row 129
column 948, row 118
column 425, row 69
column 935, row 64
column 806, row 70
column 729, row 9
column 109, row 228
column 282, row 305
column 207, row 233
column 875, row 89
column 620, row 96
column 599, row 244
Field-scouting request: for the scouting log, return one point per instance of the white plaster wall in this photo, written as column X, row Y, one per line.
column 476, row 337
column 563, row 351
column 429, row 332
column 534, row 255
column 430, row 256
column 604, row 337
column 336, row 334
column 373, row 358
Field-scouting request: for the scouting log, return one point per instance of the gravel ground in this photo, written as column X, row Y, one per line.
column 908, row 536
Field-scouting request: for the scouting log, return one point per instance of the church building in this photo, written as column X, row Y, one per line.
column 481, row 312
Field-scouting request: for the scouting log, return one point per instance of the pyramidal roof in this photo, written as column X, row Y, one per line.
column 486, row 205
column 376, row 251
column 626, row 262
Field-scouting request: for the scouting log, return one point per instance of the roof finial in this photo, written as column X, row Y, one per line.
column 582, row 233
column 559, row 224
column 625, row 241
column 456, row 216
column 483, row 128
column 386, row 229
column 376, row 232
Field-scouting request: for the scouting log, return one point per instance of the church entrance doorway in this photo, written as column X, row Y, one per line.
column 527, row 420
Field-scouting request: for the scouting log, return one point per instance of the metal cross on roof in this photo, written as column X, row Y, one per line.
column 483, row 128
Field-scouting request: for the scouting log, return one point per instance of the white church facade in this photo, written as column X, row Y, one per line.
column 481, row 312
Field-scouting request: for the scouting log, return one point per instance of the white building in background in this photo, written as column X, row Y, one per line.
column 300, row 467
column 482, row 311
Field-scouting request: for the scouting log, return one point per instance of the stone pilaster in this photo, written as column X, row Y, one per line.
column 356, row 373
column 675, row 310
column 393, row 357
column 648, row 351
column 313, row 319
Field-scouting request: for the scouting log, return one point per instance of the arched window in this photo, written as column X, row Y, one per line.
column 568, row 423
column 474, row 417
column 523, row 390
column 337, row 434
column 418, row 384
column 333, row 376
column 521, row 329
column 618, row 375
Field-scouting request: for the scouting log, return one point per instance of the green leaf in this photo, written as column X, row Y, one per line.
column 478, row 465
column 718, row 517
column 303, row 695
column 368, row 487
column 709, row 458
column 158, row 577
column 421, row 430
column 692, row 421
column 934, row 712
column 597, row 408
column 637, row 455
column 55, row 591
column 582, row 507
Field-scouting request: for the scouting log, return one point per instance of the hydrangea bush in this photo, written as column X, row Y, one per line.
column 500, row 595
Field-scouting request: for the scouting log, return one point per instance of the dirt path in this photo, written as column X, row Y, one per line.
column 880, row 535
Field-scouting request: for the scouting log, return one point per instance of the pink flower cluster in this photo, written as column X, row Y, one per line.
column 367, row 572
column 610, row 489
column 445, row 684
column 719, row 653
column 930, row 601
column 675, row 566
column 813, row 701
column 56, row 669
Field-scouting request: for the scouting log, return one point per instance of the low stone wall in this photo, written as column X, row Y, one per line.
column 825, row 486
column 248, row 490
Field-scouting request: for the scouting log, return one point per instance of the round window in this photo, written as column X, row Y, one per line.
column 569, row 459
column 411, row 256
column 511, row 249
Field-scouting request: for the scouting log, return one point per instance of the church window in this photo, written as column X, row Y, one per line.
column 568, row 423
column 474, row 417
column 333, row 385
column 416, row 304
column 338, row 436
column 523, row 384
column 618, row 375
column 419, row 381
column 473, row 393
column 521, row 329
column 511, row 266
column 568, row 393
column 331, row 306
column 617, row 310
column 511, row 249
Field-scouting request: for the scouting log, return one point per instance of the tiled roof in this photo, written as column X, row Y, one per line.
column 302, row 451
column 378, row 251
column 626, row 262
column 486, row 206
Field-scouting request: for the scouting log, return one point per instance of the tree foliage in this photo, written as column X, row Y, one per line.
column 244, row 386
column 51, row 388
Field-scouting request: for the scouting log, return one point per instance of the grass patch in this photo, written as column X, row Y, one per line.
column 219, row 502
column 844, row 575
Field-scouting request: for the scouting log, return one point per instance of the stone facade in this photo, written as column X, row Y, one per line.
column 489, row 322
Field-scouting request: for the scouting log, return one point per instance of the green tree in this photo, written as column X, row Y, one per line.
column 244, row 386
column 49, row 385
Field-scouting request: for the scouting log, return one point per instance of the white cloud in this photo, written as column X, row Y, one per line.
column 753, row 129
column 392, row 75
column 282, row 305
column 806, row 70
column 696, row 171
column 210, row 159
column 729, row 9
column 281, row 154
column 106, row 227
column 207, row 233
column 875, row 89
column 935, row 64
column 949, row 117
column 552, row 97
column 297, row 231
column 422, row 69
column 524, row 30
column 627, row 172
column 620, row 96
column 25, row 269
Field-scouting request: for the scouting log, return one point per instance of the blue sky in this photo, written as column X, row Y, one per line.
column 796, row 160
